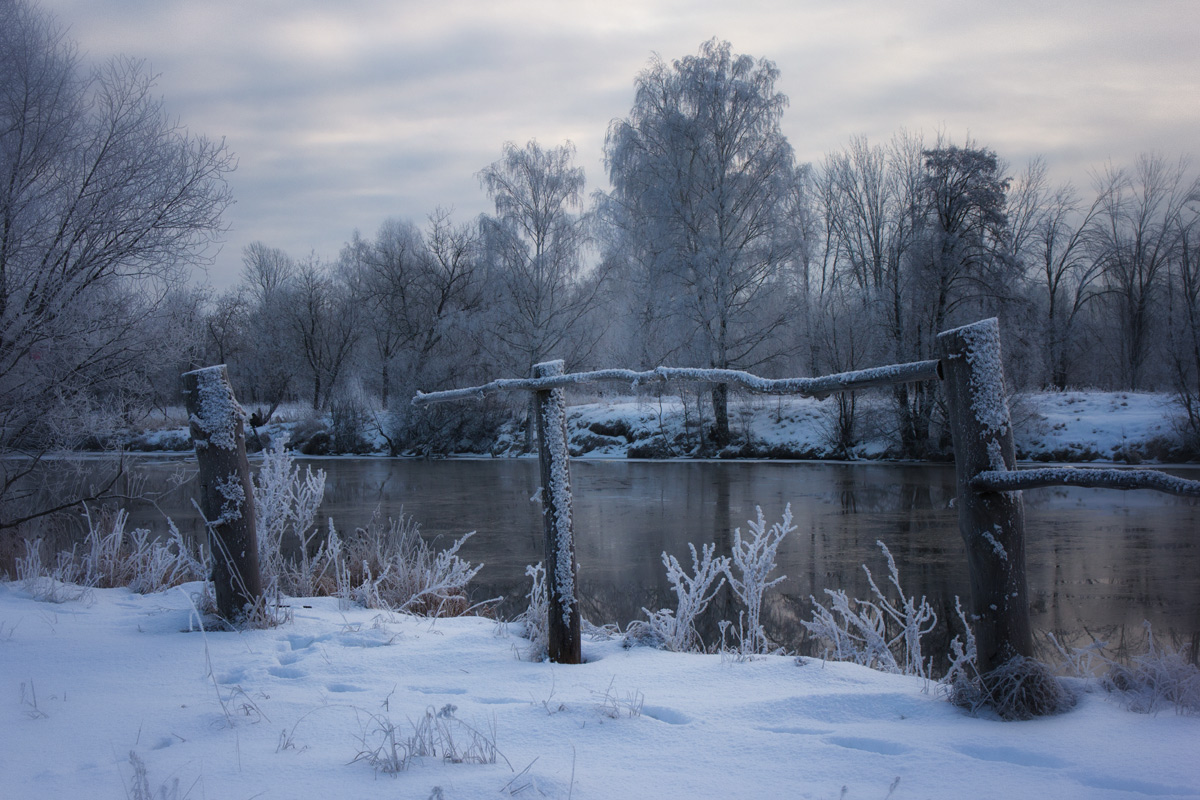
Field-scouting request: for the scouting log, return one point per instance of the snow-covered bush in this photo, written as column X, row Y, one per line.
column 880, row 633
column 385, row 564
column 754, row 559
column 677, row 629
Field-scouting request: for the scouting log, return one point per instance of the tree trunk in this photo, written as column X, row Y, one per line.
column 720, row 401
column 563, row 642
column 226, row 494
column 992, row 524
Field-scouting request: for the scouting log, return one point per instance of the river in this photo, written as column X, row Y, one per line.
column 1099, row 562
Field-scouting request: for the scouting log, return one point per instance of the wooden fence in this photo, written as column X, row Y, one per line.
column 990, row 509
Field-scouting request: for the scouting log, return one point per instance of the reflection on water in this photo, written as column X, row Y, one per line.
column 1100, row 562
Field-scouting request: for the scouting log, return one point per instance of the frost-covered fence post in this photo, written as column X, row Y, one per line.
column 226, row 494
column 992, row 524
column 563, row 618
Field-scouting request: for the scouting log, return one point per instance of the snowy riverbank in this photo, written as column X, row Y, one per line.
column 1124, row 427
column 94, row 687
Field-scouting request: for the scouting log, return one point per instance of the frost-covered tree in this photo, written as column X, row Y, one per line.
column 702, row 177
column 267, row 366
column 534, row 250
column 1137, row 237
column 323, row 324
column 104, row 200
column 418, row 289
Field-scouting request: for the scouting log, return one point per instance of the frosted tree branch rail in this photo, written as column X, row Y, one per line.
column 820, row 387
column 1122, row 479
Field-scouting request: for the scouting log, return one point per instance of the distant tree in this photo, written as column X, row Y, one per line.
column 1136, row 237
column 266, row 369
column 702, row 175
column 1053, row 243
column 534, row 249
column 957, row 267
column 416, row 287
column 1183, row 319
column 104, row 200
column 323, row 324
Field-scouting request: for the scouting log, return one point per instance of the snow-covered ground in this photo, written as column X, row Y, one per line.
column 94, row 687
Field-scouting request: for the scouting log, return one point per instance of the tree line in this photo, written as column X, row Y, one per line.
column 714, row 247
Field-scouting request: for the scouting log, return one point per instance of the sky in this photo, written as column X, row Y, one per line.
column 341, row 117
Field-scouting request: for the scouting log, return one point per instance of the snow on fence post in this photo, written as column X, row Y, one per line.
column 217, row 427
column 992, row 524
column 563, row 642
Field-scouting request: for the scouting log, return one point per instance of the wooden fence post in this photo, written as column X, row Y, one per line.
column 226, row 494
column 561, row 570
column 992, row 524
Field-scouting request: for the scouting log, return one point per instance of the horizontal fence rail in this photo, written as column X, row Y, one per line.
column 805, row 387
column 1123, row 479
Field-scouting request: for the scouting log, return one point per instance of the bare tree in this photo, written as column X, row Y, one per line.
column 324, row 326
column 534, row 249
column 104, row 199
column 702, row 175
column 417, row 288
column 266, row 370
column 1137, row 231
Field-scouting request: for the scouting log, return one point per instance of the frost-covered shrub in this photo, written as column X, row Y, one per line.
column 443, row 428
column 1160, row 676
column 881, row 633
column 754, row 560
column 1019, row 689
column 536, row 618
column 285, row 510
column 676, row 629
column 388, row 565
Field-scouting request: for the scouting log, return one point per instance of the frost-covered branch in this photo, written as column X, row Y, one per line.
column 804, row 387
column 1123, row 479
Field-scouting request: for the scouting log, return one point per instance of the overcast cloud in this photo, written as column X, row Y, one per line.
column 342, row 117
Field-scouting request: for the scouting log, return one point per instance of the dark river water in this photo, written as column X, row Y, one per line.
column 1100, row 562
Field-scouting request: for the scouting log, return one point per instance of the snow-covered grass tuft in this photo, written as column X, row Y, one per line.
column 388, row 565
column 1019, row 689
column 110, row 556
column 385, row 565
column 387, row 748
column 881, row 633
column 1158, row 677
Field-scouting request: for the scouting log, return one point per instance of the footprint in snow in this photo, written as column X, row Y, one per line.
column 1011, row 755
column 667, row 715
column 879, row 746
column 286, row 672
